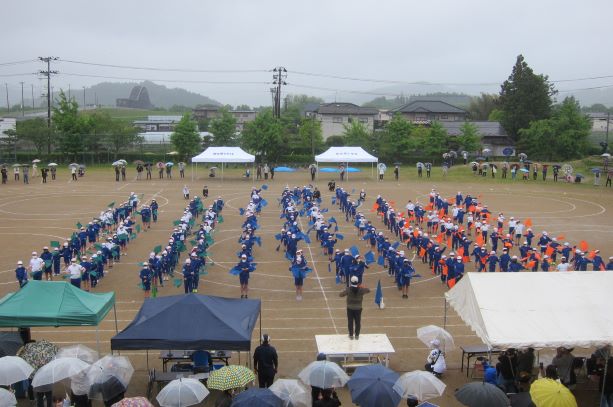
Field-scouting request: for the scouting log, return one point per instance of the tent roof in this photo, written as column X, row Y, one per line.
column 223, row 155
column 191, row 322
column 345, row 155
column 518, row 310
column 53, row 303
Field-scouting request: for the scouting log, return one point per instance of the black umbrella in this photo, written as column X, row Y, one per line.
column 109, row 387
column 479, row 394
column 521, row 400
column 558, row 166
column 10, row 342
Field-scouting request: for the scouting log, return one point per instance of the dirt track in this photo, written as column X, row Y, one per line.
column 32, row 215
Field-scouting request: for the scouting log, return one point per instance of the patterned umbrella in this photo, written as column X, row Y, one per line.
column 133, row 402
column 230, row 377
column 38, row 353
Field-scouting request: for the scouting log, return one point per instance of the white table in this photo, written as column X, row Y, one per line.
column 366, row 348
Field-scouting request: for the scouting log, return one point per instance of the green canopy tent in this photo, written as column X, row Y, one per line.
column 55, row 303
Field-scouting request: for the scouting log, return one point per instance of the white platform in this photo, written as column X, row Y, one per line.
column 368, row 346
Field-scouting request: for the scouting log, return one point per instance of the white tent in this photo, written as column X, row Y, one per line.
column 345, row 155
column 518, row 310
column 222, row 155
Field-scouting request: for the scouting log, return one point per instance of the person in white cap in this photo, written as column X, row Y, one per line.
column 355, row 295
column 75, row 270
column 435, row 362
column 36, row 266
column 21, row 274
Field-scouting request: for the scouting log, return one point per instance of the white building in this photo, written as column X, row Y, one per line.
column 163, row 137
column 335, row 116
column 599, row 121
column 7, row 123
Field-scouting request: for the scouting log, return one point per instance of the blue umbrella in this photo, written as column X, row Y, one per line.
column 596, row 170
column 256, row 397
column 371, row 386
column 284, row 169
column 577, row 175
column 524, row 170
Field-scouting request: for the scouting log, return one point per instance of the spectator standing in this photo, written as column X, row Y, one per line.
column 265, row 362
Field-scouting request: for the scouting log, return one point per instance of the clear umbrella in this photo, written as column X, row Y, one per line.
column 58, row 369
column 78, row 351
column 427, row 334
column 109, row 375
column 423, row 385
column 14, row 369
column 292, row 393
column 36, row 161
column 52, row 165
column 323, row 374
column 181, row 393
column 7, row 398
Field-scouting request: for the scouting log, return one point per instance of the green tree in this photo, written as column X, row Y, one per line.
column 8, row 143
column 186, row 138
column 356, row 134
column 396, row 139
column 335, row 141
column 482, row 106
column 70, row 128
column 300, row 101
column 120, row 136
column 223, row 128
column 264, row 136
column 35, row 132
column 434, row 142
column 495, row 116
column 563, row 137
column 469, row 138
column 524, row 97
column 311, row 136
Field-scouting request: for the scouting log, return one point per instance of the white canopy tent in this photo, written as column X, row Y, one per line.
column 519, row 310
column 222, row 155
column 346, row 155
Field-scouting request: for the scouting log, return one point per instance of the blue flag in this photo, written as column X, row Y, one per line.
column 264, row 202
column 354, row 251
column 333, row 201
column 278, row 236
column 241, row 211
column 338, row 279
column 395, row 245
column 339, row 236
column 381, row 261
column 329, row 268
column 264, row 187
column 332, row 220
column 379, row 294
column 324, row 210
column 369, row 257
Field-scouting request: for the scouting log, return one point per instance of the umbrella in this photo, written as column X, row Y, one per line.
column 36, row 161
column 474, row 163
column 182, row 392
column 419, row 165
column 52, row 165
column 373, row 386
column 522, row 156
column 423, row 385
column 78, row 351
column 323, row 374
column 182, row 163
column 38, row 353
column 139, row 162
column 427, row 334
column 486, row 150
column 551, row 393
column 230, row 377
column 527, row 162
column 382, row 167
column 82, row 166
column 116, row 163
column 160, row 165
column 606, row 155
column 478, row 394
column 148, row 164
column 173, row 153
column 10, row 342
column 567, row 169
column 58, row 369
column 7, row 398
column 109, row 375
column 524, row 170
column 596, row 170
column 133, row 402
column 16, row 165
column 256, row 397
column 73, row 165
column 292, row 393
column 454, row 154
column 170, row 164
column 493, row 165
column 577, row 175
column 14, row 369
column 558, row 166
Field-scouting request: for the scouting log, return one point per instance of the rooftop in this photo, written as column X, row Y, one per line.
column 428, row 106
column 345, row 108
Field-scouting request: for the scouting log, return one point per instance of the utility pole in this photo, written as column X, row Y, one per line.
column 22, row 112
column 48, row 74
column 279, row 76
column 8, row 104
column 32, row 85
column 69, row 95
column 83, row 97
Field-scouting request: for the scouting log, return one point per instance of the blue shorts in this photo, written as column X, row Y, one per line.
column 243, row 278
column 299, row 281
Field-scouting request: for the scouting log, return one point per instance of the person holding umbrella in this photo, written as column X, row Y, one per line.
column 355, row 295
column 117, row 173
column 435, row 362
column 123, row 172
column 265, row 362
column 73, row 172
column 148, row 168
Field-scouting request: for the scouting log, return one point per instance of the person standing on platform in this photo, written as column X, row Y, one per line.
column 265, row 362
column 355, row 295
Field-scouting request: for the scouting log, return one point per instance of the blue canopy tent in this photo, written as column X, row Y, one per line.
column 191, row 322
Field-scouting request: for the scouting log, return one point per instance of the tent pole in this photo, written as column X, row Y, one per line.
column 98, row 339
column 222, row 172
column 147, row 356
column 604, row 379
column 193, row 171
column 445, row 314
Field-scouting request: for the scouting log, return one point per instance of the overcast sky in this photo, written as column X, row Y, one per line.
column 443, row 41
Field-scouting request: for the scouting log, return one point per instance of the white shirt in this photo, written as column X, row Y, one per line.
column 410, row 206
column 519, row 229
column 75, row 271
column 563, row 267
column 437, row 357
column 36, row 264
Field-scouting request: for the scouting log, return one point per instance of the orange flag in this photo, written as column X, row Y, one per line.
column 561, row 237
column 422, row 252
column 441, row 213
column 528, row 222
column 461, row 252
column 591, row 255
column 439, row 239
column 449, row 242
column 531, row 264
column 583, row 245
column 471, row 208
column 479, row 241
column 451, row 282
column 549, row 250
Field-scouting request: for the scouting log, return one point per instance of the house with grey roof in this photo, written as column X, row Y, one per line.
column 335, row 116
column 493, row 135
column 427, row 111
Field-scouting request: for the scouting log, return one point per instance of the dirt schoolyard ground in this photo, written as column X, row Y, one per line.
column 33, row 215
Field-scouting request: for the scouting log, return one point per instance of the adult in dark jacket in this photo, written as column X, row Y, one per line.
column 265, row 362
column 355, row 295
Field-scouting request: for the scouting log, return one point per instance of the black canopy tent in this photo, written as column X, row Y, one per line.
column 191, row 322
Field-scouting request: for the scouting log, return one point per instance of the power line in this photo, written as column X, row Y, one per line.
column 148, row 68
column 16, row 74
column 581, row 89
column 166, row 80
column 17, row 62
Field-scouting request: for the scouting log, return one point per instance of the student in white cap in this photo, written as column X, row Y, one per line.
column 36, row 266
column 21, row 274
column 435, row 362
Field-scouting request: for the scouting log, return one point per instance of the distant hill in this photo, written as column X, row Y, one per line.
column 160, row 96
